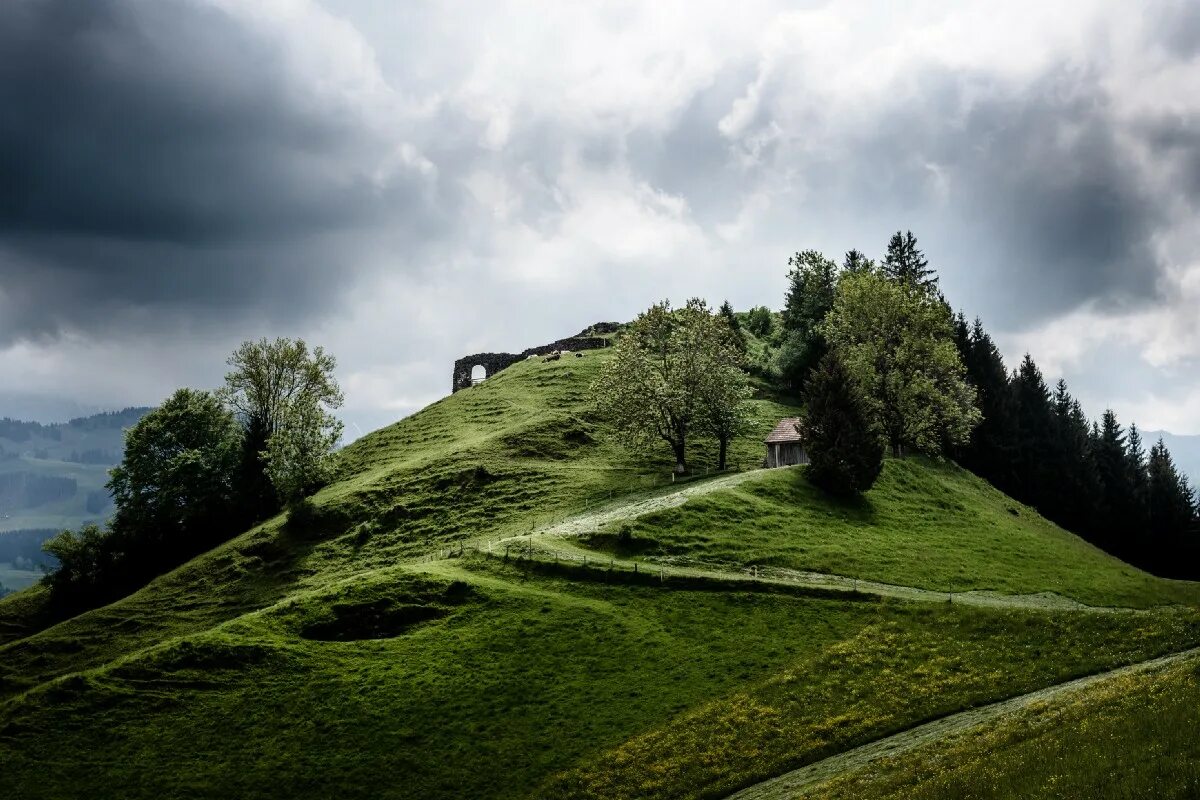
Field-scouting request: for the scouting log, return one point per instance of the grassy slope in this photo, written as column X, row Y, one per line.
column 220, row 679
column 930, row 525
column 1131, row 737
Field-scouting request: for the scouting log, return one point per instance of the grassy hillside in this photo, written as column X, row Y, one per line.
column 345, row 654
column 1133, row 736
column 925, row 524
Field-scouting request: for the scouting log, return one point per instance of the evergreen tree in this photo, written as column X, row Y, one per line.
column 1170, row 506
column 1034, row 434
column 735, row 327
column 989, row 451
column 812, row 282
column 1079, row 485
column 844, row 444
column 856, row 261
column 905, row 263
column 1112, row 466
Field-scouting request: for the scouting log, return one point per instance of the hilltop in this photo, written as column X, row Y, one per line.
column 496, row 599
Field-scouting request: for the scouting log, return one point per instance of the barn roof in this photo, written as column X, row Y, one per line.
column 786, row 431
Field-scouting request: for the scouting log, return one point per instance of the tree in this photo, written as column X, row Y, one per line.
column 724, row 413
column 84, row 562
column 176, row 480
column 989, row 451
column 1170, row 502
column 759, row 321
column 665, row 367
column 283, row 395
column 735, row 328
column 856, row 261
column 896, row 341
column 812, row 284
column 906, row 264
column 843, row 442
column 1034, row 417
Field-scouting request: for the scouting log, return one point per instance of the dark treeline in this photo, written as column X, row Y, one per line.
column 1095, row 478
column 1098, row 479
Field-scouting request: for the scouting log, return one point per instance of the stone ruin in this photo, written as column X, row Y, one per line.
column 592, row 338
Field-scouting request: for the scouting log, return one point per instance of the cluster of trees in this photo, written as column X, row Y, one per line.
column 1094, row 478
column 676, row 374
column 874, row 346
column 869, row 348
column 205, row 465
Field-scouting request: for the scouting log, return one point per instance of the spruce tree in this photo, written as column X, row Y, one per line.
column 735, row 327
column 856, row 261
column 989, row 452
column 844, row 445
column 905, row 263
column 812, row 283
column 1112, row 465
column 1034, row 429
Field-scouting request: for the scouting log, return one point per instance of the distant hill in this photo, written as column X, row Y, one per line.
column 52, row 477
column 1184, row 449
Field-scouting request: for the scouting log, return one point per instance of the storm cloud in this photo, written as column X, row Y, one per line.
column 409, row 182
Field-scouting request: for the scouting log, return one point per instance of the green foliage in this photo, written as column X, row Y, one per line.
column 896, row 341
column 673, row 372
column 735, row 327
column 84, row 560
column 812, row 283
column 283, row 394
column 906, row 264
column 843, row 443
column 856, row 261
column 177, row 477
column 760, row 321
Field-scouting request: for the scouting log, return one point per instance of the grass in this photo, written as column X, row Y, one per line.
column 333, row 657
column 1129, row 737
column 924, row 524
column 574, row 689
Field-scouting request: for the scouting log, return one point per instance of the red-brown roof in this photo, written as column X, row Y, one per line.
column 786, row 431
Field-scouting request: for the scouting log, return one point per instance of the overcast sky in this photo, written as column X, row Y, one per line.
column 407, row 183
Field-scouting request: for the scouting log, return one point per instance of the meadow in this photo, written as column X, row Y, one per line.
column 340, row 650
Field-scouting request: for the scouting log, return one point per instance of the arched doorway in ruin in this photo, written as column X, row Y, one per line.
column 478, row 374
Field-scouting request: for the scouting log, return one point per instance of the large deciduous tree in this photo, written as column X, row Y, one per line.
column 177, row 477
column 896, row 340
column 673, row 373
column 283, row 394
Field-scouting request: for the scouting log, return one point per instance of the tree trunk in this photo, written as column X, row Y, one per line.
column 721, row 455
column 680, row 458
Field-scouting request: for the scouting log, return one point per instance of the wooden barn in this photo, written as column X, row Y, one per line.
column 785, row 445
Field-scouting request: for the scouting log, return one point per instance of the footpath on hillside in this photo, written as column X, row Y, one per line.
column 797, row 783
column 555, row 542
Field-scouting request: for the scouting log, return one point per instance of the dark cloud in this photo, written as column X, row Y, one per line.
column 163, row 153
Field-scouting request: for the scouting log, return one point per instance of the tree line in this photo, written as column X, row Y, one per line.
column 932, row 383
column 879, row 361
column 204, row 466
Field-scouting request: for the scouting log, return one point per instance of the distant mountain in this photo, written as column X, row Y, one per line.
column 1184, row 449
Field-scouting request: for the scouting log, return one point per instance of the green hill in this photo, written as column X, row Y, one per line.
column 431, row 629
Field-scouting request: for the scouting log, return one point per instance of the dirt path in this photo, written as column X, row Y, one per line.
column 797, row 783
column 556, row 541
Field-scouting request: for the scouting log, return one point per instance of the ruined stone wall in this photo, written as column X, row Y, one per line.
column 495, row 362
